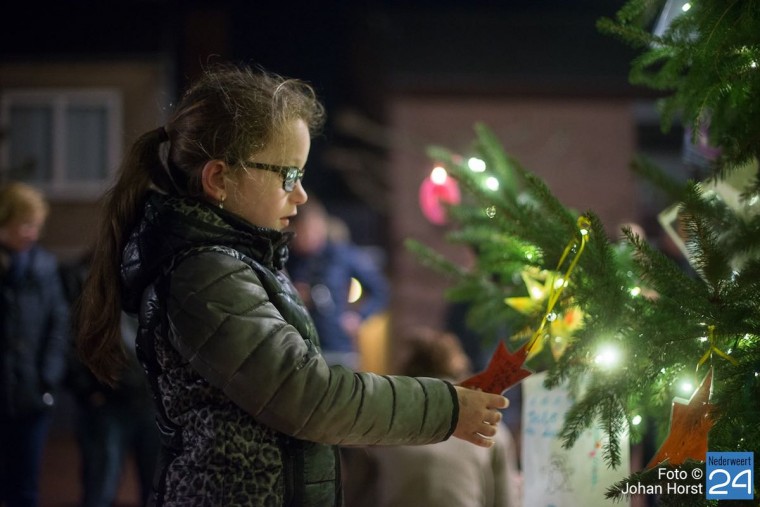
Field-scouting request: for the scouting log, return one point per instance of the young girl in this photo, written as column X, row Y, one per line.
column 248, row 409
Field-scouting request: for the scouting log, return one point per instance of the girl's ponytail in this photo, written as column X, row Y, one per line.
column 98, row 313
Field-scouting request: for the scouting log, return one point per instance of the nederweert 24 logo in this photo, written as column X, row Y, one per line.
column 730, row 475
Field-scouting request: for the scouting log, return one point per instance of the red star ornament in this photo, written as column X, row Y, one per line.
column 504, row 370
column 689, row 425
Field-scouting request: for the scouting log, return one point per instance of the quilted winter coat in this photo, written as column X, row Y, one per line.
column 249, row 411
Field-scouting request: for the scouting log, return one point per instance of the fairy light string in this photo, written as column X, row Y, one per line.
column 584, row 226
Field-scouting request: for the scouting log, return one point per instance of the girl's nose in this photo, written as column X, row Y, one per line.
column 299, row 194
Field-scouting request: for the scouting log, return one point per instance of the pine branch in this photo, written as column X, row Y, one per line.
column 707, row 64
column 708, row 58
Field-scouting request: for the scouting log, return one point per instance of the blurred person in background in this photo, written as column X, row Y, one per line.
column 33, row 342
column 321, row 265
column 112, row 422
column 446, row 474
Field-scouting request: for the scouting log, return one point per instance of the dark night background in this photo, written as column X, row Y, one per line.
column 354, row 53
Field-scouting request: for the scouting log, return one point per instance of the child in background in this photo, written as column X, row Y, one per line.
column 34, row 340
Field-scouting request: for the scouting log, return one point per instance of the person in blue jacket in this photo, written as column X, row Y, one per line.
column 321, row 267
column 33, row 342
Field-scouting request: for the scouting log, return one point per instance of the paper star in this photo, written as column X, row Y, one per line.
column 538, row 285
column 689, row 425
column 504, row 370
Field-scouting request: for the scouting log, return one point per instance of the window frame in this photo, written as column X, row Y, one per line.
column 61, row 185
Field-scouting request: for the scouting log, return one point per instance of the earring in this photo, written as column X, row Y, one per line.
column 221, row 202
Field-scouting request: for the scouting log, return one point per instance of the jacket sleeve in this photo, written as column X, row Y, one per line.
column 224, row 324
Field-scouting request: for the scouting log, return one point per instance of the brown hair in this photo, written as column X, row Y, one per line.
column 19, row 200
column 434, row 353
column 229, row 114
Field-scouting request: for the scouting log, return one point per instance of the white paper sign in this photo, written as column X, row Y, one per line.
column 557, row 477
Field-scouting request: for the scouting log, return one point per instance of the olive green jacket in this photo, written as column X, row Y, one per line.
column 249, row 410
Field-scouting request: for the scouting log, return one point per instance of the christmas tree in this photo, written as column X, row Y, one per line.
column 619, row 321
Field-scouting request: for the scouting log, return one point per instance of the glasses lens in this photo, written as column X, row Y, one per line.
column 290, row 179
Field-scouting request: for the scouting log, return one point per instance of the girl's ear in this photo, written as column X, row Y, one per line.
column 214, row 181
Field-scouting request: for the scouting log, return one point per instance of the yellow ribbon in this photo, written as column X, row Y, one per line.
column 713, row 348
column 584, row 225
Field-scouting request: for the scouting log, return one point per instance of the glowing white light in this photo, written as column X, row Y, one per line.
column 439, row 175
column 686, row 387
column 608, row 356
column 753, row 64
column 636, row 420
column 492, row 183
column 635, row 291
column 559, row 282
column 354, row 291
column 753, row 200
column 702, row 339
column 536, row 293
column 476, row 165
column 686, row 7
column 529, row 256
column 584, row 232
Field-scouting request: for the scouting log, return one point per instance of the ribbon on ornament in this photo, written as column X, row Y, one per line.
column 713, row 348
column 555, row 288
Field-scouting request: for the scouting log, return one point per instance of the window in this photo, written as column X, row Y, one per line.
column 67, row 142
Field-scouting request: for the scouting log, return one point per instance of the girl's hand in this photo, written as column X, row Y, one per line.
column 479, row 415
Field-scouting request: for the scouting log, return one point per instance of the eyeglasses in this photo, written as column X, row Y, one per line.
column 290, row 174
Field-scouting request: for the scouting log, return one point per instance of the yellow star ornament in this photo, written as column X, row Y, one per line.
column 539, row 285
